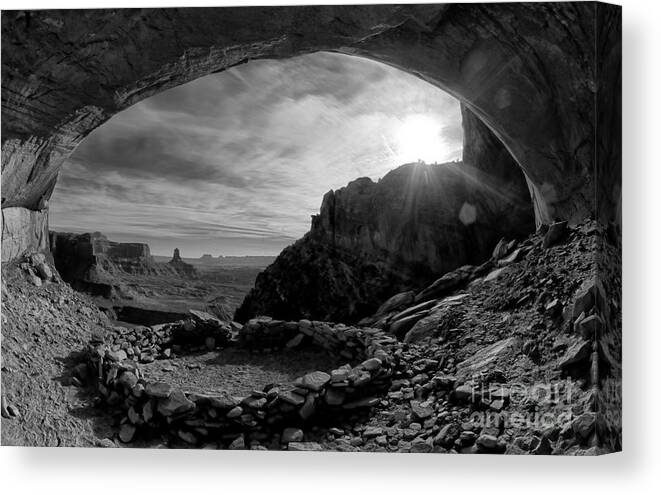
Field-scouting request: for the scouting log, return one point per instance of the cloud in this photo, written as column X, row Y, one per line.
column 236, row 162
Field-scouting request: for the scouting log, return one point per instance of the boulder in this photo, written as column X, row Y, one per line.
column 487, row 443
column 396, row 302
column 577, row 353
column 554, row 234
column 175, row 403
column 291, row 435
column 446, row 284
column 498, row 353
column 447, row 435
column 584, row 425
column 127, row 380
column 127, row 432
column 464, row 393
column 304, row 447
column 589, row 328
column 513, row 257
column 401, row 327
column 437, row 322
column 584, row 299
column 500, row 250
column 421, row 410
column 159, row 390
column 239, row 443
column 223, row 401
column 314, row 381
column 494, row 274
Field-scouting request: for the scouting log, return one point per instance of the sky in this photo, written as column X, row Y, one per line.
column 235, row 163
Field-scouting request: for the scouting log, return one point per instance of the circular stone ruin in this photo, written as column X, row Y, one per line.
column 205, row 413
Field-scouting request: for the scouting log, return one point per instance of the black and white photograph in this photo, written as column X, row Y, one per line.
column 364, row 228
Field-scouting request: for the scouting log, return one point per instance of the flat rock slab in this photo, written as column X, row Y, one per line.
column 487, row 357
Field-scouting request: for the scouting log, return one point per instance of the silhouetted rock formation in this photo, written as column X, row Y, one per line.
column 180, row 266
column 371, row 240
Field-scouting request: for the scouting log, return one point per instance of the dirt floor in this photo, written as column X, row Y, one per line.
column 235, row 371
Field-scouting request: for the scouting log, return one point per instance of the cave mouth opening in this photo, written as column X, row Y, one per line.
column 228, row 169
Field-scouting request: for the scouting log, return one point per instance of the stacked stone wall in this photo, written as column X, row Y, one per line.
column 158, row 409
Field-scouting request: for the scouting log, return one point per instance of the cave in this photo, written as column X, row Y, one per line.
column 520, row 69
column 531, row 294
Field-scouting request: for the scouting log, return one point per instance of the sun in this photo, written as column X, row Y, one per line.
column 419, row 138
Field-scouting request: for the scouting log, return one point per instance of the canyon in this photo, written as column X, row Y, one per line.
column 131, row 286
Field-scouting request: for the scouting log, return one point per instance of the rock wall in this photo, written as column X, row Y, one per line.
column 526, row 70
column 494, row 184
column 23, row 231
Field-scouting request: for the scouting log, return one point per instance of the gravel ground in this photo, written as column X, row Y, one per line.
column 237, row 371
column 43, row 328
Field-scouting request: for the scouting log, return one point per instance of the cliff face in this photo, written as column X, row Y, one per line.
column 415, row 218
column 371, row 240
column 92, row 263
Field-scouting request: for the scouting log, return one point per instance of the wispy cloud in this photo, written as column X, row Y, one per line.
column 236, row 162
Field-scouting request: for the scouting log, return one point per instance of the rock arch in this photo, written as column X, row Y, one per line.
column 537, row 75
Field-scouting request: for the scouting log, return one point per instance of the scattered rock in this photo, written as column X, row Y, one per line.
column 554, row 234
column 421, row 410
column 105, row 443
column 576, row 354
column 487, row 442
column 583, row 426
column 127, row 432
column 175, row 403
column 159, row 390
column 235, row 412
column 313, row 381
column 238, row 443
column 295, row 342
column 446, row 284
column 292, row 435
column 128, row 380
column 396, row 302
column 500, row 250
column 372, row 432
column 464, row 393
column 117, row 356
column 494, row 274
column 447, row 435
column 305, row 446
column 187, row 437
column 589, row 328
column 511, row 258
